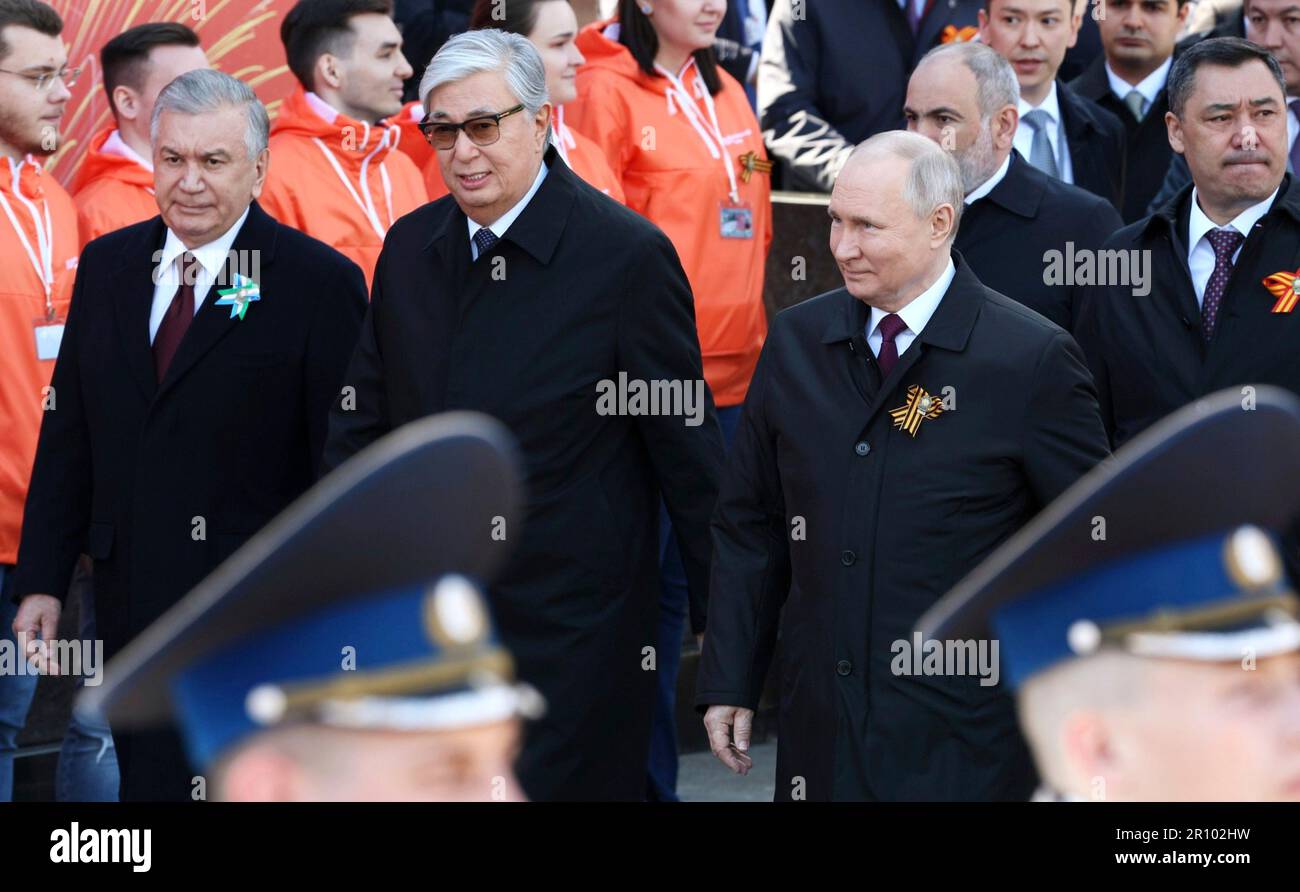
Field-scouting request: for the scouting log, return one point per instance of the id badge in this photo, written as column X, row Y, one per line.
column 49, row 335
column 737, row 220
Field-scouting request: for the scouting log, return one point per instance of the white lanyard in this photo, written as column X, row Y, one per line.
column 691, row 108
column 44, row 262
column 367, row 206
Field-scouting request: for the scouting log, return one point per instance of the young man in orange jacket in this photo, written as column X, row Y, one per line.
column 337, row 173
column 38, row 241
column 113, row 186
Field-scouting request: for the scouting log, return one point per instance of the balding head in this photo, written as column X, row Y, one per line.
column 964, row 96
column 894, row 213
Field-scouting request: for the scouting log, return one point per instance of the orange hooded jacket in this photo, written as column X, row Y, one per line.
column 110, row 190
column 582, row 155
column 412, row 142
column 671, row 176
column 22, row 306
column 318, row 169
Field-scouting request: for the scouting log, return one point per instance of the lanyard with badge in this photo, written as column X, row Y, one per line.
column 49, row 328
column 736, row 217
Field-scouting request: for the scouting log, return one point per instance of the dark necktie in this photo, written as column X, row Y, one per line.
column 176, row 321
column 915, row 12
column 484, row 239
column 890, row 327
column 1225, row 242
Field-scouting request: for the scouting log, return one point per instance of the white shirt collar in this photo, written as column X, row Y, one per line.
column 916, row 315
column 329, row 114
column 1198, row 224
column 1050, row 105
column 991, row 183
column 115, row 145
column 1150, row 86
column 212, row 256
column 503, row 222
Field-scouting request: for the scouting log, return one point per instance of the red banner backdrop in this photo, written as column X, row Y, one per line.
column 241, row 38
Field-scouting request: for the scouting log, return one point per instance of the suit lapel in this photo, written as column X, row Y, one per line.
column 133, row 302
column 211, row 322
column 935, row 16
column 1273, row 246
column 1076, row 129
column 890, row 384
column 1176, row 218
column 1093, row 84
column 948, row 329
column 449, row 241
column 1019, row 193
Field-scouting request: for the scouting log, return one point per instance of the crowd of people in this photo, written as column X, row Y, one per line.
column 1057, row 226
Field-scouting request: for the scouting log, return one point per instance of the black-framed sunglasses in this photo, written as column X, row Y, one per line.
column 44, row 81
column 482, row 131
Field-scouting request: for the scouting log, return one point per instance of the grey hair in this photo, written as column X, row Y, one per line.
column 933, row 177
column 994, row 76
column 489, row 49
column 203, row 91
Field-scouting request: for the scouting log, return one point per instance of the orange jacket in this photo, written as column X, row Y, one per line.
column 110, row 190
column 584, row 157
column 310, row 160
column 22, row 307
column 412, row 142
column 670, row 176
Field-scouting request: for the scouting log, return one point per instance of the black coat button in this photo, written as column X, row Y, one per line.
column 862, row 448
column 843, row 667
column 847, row 558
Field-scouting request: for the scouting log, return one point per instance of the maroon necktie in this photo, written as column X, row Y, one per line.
column 1225, row 243
column 915, row 12
column 176, row 321
column 890, row 327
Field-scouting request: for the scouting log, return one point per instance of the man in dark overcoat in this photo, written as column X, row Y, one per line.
column 896, row 432
column 530, row 296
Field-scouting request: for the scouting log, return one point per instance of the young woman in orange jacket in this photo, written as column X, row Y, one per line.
column 681, row 137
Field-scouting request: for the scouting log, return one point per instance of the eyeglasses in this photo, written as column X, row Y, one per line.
column 482, row 131
column 43, row 81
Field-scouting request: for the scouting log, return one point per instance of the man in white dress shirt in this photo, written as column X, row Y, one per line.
column 902, row 491
column 1222, row 253
column 1059, row 132
column 1128, row 80
column 1270, row 24
column 963, row 96
column 201, row 355
column 518, row 297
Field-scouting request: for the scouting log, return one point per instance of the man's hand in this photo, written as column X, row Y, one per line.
column 35, row 626
column 728, row 729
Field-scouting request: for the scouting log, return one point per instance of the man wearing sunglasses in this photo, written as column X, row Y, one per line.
column 530, row 295
column 38, row 244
